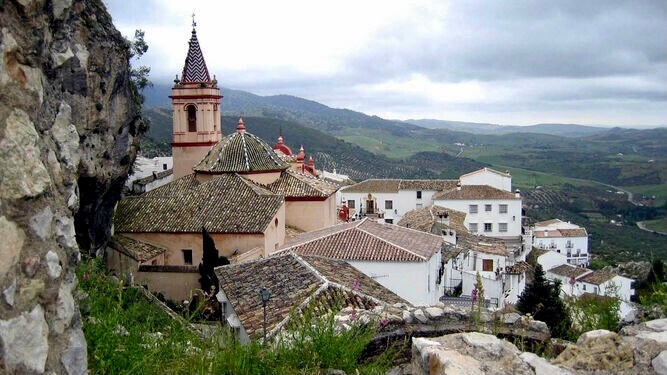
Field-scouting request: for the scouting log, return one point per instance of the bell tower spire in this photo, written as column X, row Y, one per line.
column 195, row 100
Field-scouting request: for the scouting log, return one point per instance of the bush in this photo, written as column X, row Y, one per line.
column 589, row 312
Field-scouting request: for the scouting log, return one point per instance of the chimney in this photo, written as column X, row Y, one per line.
column 517, row 193
column 458, row 185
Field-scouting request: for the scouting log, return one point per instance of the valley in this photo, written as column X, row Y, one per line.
column 564, row 171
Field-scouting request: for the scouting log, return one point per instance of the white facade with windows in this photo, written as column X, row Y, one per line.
column 488, row 217
column 563, row 238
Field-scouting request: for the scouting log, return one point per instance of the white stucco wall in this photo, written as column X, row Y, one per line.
column 484, row 177
column 551, row 259
column 578, row 245
column 512, row 218
column 402, row 202
column 413, row 281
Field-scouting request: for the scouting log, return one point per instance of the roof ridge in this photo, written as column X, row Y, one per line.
column 319, row 238
column 394, row 244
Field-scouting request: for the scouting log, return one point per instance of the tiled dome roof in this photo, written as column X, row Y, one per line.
column 240, row 152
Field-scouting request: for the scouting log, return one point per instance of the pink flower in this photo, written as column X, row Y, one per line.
column 384, row 322
column 355, row 284
column 85, row 276
column 353, row 315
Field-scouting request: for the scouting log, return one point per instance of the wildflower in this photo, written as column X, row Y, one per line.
column 353, row 315
column 355, row 284
column 384, row 322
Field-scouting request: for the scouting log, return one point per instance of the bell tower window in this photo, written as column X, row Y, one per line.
column 192, row 117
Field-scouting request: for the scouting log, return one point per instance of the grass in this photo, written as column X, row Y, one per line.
column 659, row 190
column 127, row 334
column 659, row 225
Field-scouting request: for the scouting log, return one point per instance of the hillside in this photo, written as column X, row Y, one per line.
column 329, row 152
column 563, row 130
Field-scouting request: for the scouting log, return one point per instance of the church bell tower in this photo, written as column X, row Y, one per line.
column 195, row 101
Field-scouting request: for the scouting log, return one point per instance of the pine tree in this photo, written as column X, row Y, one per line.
column 542, row 300
column 210, row 260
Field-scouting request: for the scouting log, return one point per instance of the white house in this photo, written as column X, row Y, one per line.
column 389, row 199
column 502, row 268
column 149, row 174
column 489, row 177
column 577, row 281
column 549, row 259
column 405, row 261
column 564, row 238
column 490, row 211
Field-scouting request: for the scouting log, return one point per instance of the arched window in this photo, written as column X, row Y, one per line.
column 192, row 117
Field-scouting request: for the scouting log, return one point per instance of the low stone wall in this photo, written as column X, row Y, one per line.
column 399, row 323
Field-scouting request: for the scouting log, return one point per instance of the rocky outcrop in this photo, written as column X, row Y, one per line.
column 639, row 349
column 399, row 323
column 68, row 123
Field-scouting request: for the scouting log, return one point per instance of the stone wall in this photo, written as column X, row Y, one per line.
column 68, row 123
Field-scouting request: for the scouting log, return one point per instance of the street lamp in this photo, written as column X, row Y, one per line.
column 264, row 295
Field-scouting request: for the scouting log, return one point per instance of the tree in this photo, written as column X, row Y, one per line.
column 210, row 260
column 542, row 300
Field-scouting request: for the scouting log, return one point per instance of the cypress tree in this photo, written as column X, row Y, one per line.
column 210, row 260
column 542, row 300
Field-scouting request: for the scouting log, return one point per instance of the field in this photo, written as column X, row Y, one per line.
column 659, row 225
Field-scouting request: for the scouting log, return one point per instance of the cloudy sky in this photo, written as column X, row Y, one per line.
column 508, row 62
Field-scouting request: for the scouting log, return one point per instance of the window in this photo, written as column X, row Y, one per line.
column 502, row 227
column 488, row 227
column 472, row 227
column 389, row 221
column 187, row 257
column 350, row 203
column 584, row 287
column 164, row 166
column 419, row 194
column 472, row 209
column 388, row 205
column 275, row 222
column 487, row 208
column 192, row 118
column 487, row 265
column 502, row 208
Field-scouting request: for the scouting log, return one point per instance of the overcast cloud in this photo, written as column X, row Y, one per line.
column 510, row 62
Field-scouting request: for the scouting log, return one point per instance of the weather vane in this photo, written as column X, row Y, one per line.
column 193, row 20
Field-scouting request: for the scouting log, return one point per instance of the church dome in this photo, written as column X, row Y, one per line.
column 241, row 152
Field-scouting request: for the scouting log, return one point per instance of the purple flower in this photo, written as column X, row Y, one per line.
column 384, row 322
column 353, row 315
column 355, row 284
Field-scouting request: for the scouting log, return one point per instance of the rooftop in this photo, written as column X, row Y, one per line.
column 567, row 270
column 394, row 185
column 367, row 240
column 226, row 204
column 598, row 277
column 296, row 282
column 486, row 169
column 195, row 69
column 474, row 192
column 555, row 233
column 431, row 219
column 137, row 250
column 241, row 152
column 293, row 184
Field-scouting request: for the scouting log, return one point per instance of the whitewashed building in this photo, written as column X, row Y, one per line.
column 501, row 268
column 389, row 199
column 406, row 261
column 149, row 174
column 489, row 177
column 549, row 259
column 578, row 281
column 490, row 211
column 564, row 238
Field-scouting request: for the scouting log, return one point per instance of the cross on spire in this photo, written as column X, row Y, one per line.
column 194, row 24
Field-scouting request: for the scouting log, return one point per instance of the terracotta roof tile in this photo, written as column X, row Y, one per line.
column 225, row 204
column 598, row 277
column 241, row 152
column 581, row 232
column 474, row 192
column 428, row 219
column 295, row 283
column 137, row 250
column 374, row 186
column 367, row 240
column 436, row 185
column 292, row 184
column 518, row 268
column 569, row 271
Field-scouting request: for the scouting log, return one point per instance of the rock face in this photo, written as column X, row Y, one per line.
column 68, row 134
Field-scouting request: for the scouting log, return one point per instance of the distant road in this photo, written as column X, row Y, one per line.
column 641, row 225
